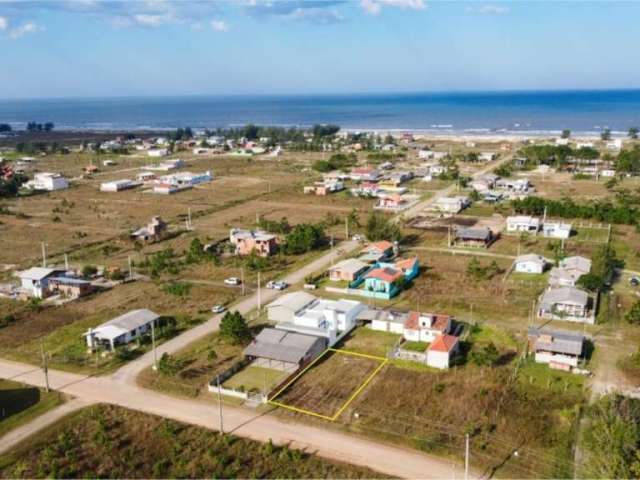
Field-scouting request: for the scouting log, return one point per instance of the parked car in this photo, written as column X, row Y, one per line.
column 634, row 281
column 358, row 238
column 232, row 281
column 277, row 285
column 218, row 309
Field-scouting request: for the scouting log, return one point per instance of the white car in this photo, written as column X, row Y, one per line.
column 277, row 285
column 358, row 238
column 232, row 281
column 218, row 309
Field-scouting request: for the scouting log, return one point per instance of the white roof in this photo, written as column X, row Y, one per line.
column 531, row 257
column 351, row 265
column 124, row 323
column 580, row 264
column 293, row 300
column 37, row 273
column 565, row 295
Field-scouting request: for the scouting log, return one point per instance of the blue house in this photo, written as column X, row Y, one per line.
column 386, row 280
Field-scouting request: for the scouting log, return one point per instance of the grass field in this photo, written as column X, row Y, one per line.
column 329, row 384
column 109, row 441
column 253, row 378
column 19, row 404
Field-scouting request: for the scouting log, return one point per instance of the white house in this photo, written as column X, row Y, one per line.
column 329, row 319
column 441, row 351
column 559, row 349
column 523, row 223
column 615, row 144
column 451, row 205
column 48, row 181
column 121, row 330
column 384, row 320
column 487, row 156
column 158, row 152
column 566, row 303
column 425, row 327
column 530, row 263
column 556, row 230
column 118, row 185
column 35, row 280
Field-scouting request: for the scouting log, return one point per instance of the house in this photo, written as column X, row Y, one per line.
column 121, row 330
column 327, row 319
column 615, row 144
column 152, row 232
column 169, row 188
column 377, row 251
column 285, row 307
column 556, row 230
column 118, row 185
column 569, row 271
column 283, row 350
column 186, row 179
column 324, row 188
column 70, row 287
column 384, row 320
column 523, row 223
column 259, row 242
column 442, row 350
column 425, row 327
column 559, row 349
column 363, row 174
column 167, row 165
column 366, row 189
column 390, row 202
column 89, row 169
column 530, row 263
column 386, row 280
column 566, row 303
column 487, row 156
column 521, row 185
column 451, row 205
column 48, row 181
column 158, row 152
column 474, row 237
column 347, row 270
column 146, row 177
column 35, row 280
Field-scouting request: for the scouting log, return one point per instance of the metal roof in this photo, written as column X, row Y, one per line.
column 281, row 345
column 294, row 301
column 131, row 320
column 38, row 273
column 350, row 265
column 557, row 341
column 565, row 295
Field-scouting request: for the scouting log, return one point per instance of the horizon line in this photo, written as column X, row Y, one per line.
column 327, row 94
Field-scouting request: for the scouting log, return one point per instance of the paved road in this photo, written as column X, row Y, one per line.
column 239, row 421
column 16, row 435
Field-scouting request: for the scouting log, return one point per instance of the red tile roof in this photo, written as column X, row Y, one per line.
column 385, row 274
column 406, row 263
column 444, row 343
column 411, row 323
column 440, row 322
column 383, row 246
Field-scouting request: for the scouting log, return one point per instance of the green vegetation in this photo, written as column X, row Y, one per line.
column 255, row 379
column 108, row 441
column 10, row 187
column 611, row 440
column 19, row 404
column 633, row 315
column 381, row 227
column 179, row 289
column 305, row 237
column 234, row 328
column 600, row 210
column 477, row 271
column 415, row 346
column 338, row 161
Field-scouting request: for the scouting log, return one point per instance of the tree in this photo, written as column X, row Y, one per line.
column 234, row 328
column 168, row 365
column 486, row 357
column 591, row 282
column 5, row 127
column 633, row 133
column 89, row 270
column 48, row 126
column 606, row 134
column 566, row 133
column 380, row 227
column 611, row 439
column 305, row 237
column 633, row 315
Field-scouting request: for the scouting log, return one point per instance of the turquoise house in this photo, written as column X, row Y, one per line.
column 386, row 280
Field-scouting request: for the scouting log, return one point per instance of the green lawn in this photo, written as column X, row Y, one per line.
column 415, row 346
column 370, row 342
column 19, row 404
column 254, row 378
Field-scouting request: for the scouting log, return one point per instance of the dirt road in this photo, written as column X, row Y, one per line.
column 239, row 421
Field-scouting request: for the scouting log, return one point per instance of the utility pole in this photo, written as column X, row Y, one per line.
column 190, row 224
column 66, row 262
column 331, row 243
column 44, row 256
column 130, row 267
column 220, row 404
column 259, row 295
column 346, row 227
column 45, row 367
column 153, row 345
column 242, row 279
column 466, row 457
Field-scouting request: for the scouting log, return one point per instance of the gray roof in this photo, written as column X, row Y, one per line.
column 281, row 345
column 294, row 301
column 38, row 273
column 579, row 264
column 557, row 341
column 132, row 319
column 371, row 314
column 351, row 265
column 565, row 295
column 532, row 257
column 474, row 233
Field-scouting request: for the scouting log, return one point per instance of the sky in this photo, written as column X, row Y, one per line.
column 100, row 48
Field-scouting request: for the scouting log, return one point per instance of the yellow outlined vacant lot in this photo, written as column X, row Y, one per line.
column 383, row 361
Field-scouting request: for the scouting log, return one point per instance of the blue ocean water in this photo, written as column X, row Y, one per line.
column 532, row 112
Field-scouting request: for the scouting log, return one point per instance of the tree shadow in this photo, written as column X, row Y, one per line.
column 17, row 400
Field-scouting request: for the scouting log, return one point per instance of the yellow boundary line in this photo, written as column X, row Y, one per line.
column 349, row 400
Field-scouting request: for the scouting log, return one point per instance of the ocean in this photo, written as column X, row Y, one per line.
column 473, row 113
